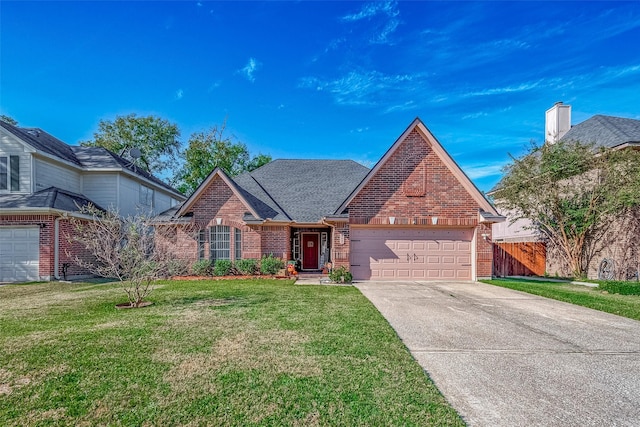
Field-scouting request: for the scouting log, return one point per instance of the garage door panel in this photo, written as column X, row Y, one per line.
column 419, row 246
column 19, row 254
column 428, row 254
column 404, row 246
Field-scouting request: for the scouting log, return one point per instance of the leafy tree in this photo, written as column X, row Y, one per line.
column 156, row 138
column 571, row 191
column 8, row 119
column 211, row 149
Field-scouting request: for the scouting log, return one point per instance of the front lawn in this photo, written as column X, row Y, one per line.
column 599, row 299
column 238, row 352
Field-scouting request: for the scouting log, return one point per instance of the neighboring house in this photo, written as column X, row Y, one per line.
column 415, row 215
column 44, row 182
column 603, row 131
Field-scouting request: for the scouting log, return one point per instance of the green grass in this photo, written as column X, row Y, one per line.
column 596, row 298
column 207, row 353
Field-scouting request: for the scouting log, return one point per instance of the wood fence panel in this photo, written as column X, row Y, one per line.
column 519, row 259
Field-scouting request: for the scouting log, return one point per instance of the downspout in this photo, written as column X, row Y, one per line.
column 56, row 247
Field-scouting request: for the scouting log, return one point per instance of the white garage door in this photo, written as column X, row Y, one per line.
column 421, row 254
column 19, row 254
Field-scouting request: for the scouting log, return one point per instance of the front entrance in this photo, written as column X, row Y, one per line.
column 310, row 251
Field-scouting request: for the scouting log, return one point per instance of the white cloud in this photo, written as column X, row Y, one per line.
column 506, row 89
column 477, row 171
column 385, row 26
column 383, row 36
column 359, row 130
column 249, row 70
column 389, row 8
column 363, row 88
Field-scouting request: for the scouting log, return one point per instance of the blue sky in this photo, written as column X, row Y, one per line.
column 323, row 79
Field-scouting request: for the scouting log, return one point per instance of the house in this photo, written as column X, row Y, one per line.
column 415, row 215
column 519, row 240
column 44, row 182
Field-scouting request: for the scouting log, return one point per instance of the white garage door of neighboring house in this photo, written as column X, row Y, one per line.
column 19, row 254
column 410, row 253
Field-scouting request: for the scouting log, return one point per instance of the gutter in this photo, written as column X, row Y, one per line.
column 56, row 247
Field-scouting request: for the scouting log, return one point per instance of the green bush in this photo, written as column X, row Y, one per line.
column 222, row 267
column 341, row 275
column 619, row 287
column 202, row 268
column 175, row 267
column 270, row 265
column 247, row 266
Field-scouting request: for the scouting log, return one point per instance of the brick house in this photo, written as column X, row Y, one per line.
column 45, row 182
column 414, row 215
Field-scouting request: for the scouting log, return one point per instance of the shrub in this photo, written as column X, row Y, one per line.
column 176, row 267
column 341, row 275
column 202, row 268
column 619, row 287
column 222, row 267
column 270, row 265
column 247, row 266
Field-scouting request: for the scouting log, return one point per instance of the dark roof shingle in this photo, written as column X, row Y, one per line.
column 605, row 131
column 52, row 198
column 86, row 157
column 300, row 190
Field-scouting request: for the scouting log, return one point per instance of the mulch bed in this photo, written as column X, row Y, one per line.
column 230, row 277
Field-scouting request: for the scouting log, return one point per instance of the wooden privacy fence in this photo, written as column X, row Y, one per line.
column 519, row 259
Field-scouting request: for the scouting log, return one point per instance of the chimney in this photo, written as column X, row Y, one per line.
column 557, row 122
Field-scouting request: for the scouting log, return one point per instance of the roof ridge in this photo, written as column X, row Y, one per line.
column 271, row 197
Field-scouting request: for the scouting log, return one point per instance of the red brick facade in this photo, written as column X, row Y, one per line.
column 416, row 188
column 414, row 185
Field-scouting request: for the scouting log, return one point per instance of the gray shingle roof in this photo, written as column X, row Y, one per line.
column 42, row 141
column 86, row 157
column 300, row 190
column 606, row 131
column 52, row 198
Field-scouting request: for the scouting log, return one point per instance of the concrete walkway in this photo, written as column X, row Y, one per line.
column 506, row 358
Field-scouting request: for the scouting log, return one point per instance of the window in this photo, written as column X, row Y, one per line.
column 10, row 173
column 238, row 243
column 220, row 243
column 3, row 173
column 202, row 239
column 146, row 195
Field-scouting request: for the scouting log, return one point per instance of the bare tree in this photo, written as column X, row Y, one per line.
column 122, row 248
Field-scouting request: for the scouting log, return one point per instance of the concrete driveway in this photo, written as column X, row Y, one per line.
column 506, row 358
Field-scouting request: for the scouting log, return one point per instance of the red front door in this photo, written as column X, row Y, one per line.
column 310, row 251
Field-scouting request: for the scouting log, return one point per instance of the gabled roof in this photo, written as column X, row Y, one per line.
column 49, row 198
column 453, row 167
column 217, row 172
column 605, row 131
column 303, row 191
column 83, row 157
column 290, row 190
